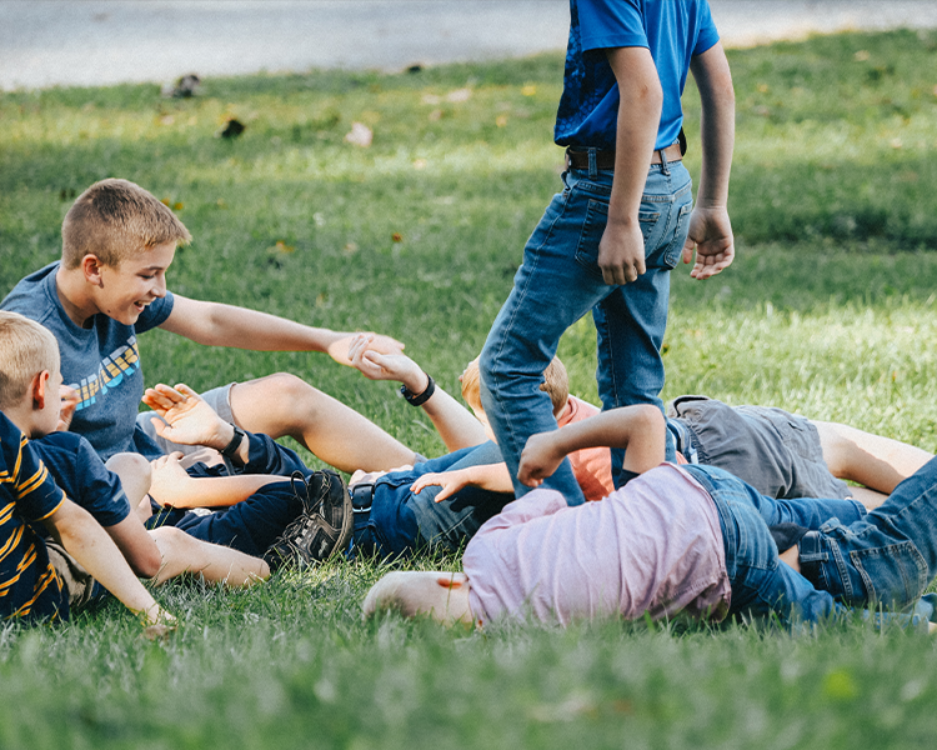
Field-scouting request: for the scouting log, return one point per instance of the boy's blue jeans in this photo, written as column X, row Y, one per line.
column 397, row 521
column 886, row 557
column 559, row 282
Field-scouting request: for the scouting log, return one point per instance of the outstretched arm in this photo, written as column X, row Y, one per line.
column 455, row 424
column 640, row 429
column 215, row 324
column 491, row 477
column 172, row 486
column 710, row 229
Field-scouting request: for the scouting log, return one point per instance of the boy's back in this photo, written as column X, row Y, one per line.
column 29, row 586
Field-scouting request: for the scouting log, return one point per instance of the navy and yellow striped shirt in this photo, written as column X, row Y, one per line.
column 29, row 586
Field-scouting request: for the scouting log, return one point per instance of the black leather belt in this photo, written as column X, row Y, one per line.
column 362, row 497
column 605, row 159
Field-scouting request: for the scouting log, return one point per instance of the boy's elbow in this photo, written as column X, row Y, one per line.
column 147, row 563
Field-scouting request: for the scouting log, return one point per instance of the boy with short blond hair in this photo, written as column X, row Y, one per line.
column 110, row 286
column 29, row 395
column 38, row 579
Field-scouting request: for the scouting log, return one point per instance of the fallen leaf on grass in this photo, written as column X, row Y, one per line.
column 397, row 237
column 529, row 90
column 459, row 95
column 359, row 135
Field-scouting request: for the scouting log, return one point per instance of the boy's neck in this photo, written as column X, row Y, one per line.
column 21, row 416
column 71, row 287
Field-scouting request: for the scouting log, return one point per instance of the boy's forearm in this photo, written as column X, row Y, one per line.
column 491, row 477
column 218, row 492
column 714, row 81
column 217, row 324
column 640, row 429
column 89, row 544
column 457, row 427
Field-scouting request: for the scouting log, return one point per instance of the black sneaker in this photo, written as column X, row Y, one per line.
column 324, row 525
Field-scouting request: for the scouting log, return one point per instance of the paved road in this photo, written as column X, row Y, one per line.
column 93, row 42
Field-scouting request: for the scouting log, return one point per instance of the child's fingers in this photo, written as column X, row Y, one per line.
column 186, row 392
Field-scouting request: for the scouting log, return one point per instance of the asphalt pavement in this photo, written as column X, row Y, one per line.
column 97, row 42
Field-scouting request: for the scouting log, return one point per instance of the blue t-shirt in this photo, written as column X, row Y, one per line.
column 29, row 586
column 81, row 473
column 673, row 31
column 102, row 363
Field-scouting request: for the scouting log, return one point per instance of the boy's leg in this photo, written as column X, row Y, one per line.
column 555, row 286
column 876, row 462
column 182, row 553
column 631, row 321
column 282, row 404
column 889, row 557
column 391, row 520
column 250, row 526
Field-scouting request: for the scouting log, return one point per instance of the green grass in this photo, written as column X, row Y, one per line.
column 829, row 311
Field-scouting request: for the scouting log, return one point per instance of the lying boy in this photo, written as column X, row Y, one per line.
column 118, row 242
column 42, row 580
column 693, row 540
column 107, row 491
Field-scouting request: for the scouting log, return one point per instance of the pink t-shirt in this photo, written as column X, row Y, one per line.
column 653, row 546
column 591, row 466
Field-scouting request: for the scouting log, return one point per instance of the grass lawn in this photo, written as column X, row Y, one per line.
column 828, row 311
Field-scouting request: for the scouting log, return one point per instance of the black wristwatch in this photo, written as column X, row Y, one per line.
column 418, row 400
column 231, row 449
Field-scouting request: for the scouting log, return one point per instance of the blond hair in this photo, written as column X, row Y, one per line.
column 26, row 349
column 555, row 384
column 114, row 220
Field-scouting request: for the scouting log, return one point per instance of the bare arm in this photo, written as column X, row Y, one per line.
column 640, row 429
column 173, row 486
column 710, row 229
column 215, row 324
column 82, row 537
column 621, row 250
column 491, row 477
column 454, row 423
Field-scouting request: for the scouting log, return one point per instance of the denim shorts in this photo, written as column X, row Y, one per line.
column 776, row 452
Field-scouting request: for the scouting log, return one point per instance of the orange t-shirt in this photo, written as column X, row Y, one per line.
column 592, row 466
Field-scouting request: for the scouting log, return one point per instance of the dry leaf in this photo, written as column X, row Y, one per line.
column 359, row 135
column 459, row 95
column 529, row 90
column 397, row 237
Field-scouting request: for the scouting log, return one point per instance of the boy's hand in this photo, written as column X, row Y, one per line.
column 450, row 481
column 621, row 253
column 69, row 398
column 339, row 349
column 375, row 365
column 540, row 459
column 170, row 484
column 189, row 420
column 711, row 236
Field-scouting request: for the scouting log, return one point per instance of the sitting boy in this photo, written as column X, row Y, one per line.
column 108, row 492
column 118, row 242
column 691, row 539
column 42, row 580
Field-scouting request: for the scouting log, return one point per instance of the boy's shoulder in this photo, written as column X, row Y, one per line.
column 34, row 295
column 81, row 473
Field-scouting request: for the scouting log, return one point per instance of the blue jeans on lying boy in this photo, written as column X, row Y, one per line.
column 848, row 557
column 390, row 520
column 558, row 283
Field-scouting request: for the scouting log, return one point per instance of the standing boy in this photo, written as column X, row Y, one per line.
column 610, row 239
column 118, row 242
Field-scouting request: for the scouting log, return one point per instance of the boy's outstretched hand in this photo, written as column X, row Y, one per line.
column 188, row 419
column 711, row 236
column 340, row 349
column 540, row 459
column 377, row 365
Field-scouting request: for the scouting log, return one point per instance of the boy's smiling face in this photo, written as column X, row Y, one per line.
column 124, row 292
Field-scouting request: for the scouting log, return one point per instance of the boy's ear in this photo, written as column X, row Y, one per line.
column 91, row 266
column 39, row 389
